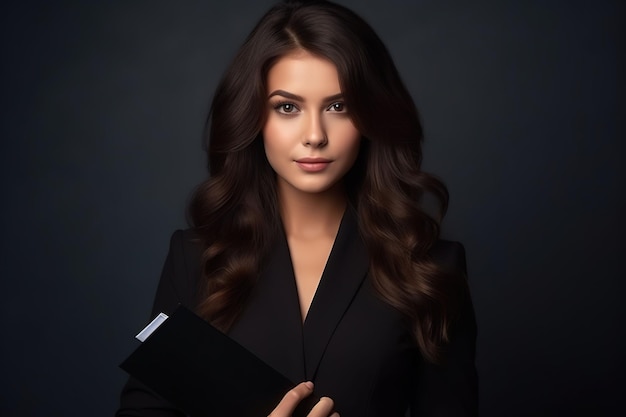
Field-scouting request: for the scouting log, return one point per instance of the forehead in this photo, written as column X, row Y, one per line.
column 304, row 74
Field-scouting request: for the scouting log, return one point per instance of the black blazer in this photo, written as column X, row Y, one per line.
column 354, row 347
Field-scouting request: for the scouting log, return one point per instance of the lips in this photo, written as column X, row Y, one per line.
column 313, row 164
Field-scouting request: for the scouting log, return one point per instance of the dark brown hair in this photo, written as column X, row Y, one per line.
column 235, row 211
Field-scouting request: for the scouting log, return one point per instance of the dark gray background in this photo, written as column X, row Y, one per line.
column 103, row 106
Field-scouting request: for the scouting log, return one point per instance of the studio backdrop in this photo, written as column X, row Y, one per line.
column 103, row 110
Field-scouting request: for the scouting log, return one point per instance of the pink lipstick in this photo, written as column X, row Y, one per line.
column 313, row 164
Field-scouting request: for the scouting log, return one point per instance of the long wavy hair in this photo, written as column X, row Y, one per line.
column 235, row 211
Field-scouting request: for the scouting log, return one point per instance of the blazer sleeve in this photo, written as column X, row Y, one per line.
column 178, row 283
column 450, row 389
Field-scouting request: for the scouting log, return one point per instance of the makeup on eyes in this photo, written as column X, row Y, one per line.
column 289, row 107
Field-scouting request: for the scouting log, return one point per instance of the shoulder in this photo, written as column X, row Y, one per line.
column 186, row 252
column 449, row 255
column 185, row 243
column 181, row 273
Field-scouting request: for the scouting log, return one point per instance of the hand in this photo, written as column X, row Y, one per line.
column 290, row 401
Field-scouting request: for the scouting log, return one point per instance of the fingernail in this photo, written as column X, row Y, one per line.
column 309, row 384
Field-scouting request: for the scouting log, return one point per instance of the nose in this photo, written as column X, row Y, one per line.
column 315, row 133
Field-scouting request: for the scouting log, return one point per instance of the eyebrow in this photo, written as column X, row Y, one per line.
column 296, row 97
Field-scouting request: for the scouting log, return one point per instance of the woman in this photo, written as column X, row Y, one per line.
column 314, row 158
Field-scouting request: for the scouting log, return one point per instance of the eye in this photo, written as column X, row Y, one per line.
column 285, row 108
column 338, row 107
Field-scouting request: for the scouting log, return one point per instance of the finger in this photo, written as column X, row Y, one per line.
column 291, row 400
column 323, row 408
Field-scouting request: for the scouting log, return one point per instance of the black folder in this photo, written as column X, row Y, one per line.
column 205, row 373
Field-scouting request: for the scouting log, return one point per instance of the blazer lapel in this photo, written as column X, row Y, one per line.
column 345, row 271
column 270, row 326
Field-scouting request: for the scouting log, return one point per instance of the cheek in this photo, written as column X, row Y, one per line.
column 272, row 138
column 353, row 149
column 278, row 133
column 270, row 131
column 349, row 139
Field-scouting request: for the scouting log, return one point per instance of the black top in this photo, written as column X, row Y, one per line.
column 354, row 347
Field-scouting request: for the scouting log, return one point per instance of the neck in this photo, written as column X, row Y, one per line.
column 308, row 215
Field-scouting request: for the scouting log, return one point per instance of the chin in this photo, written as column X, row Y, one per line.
column 313, row 188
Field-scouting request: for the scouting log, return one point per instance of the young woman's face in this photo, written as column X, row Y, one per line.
column 309, row 138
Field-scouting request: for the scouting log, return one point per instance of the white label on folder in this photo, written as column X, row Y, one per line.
column 154, row 324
